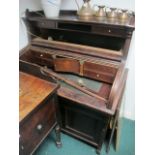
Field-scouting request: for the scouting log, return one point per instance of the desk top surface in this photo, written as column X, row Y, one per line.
column 32, row 91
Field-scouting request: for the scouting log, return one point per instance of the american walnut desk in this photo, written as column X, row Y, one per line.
column 91, row 53
column 37, row 112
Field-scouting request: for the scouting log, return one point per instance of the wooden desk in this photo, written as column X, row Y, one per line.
column 93, row 49
column 37, row 112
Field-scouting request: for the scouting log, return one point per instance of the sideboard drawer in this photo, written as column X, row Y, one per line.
column 41, row 54
column 99, row 72
column 35, row 128
column 109, row 31
column 42, row 58
column 46, row 24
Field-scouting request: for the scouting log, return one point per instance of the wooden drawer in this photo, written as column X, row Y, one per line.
column 109, row 31
column 46, row 24
column 35, row 127
column 42, row 58
column 99, row 72
column 40, row 54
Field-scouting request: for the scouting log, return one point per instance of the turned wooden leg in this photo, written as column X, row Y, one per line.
column 102, row 138
column 98, row 151
column 113, row 130
column 58, row 137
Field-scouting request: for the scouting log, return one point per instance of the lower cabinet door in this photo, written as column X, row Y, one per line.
column 82, row 122
column 35, row 128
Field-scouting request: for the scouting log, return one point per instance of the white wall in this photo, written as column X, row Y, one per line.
column 129, row 99
column 129, row 105
column 126, row 4
column 23, row 5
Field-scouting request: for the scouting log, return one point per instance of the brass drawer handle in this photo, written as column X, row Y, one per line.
column 39, row 127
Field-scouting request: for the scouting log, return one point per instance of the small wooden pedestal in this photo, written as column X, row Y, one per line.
column 37, row 112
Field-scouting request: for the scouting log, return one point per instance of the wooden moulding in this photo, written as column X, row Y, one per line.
column 70, row 17
column 118, row 87
column 81, row 49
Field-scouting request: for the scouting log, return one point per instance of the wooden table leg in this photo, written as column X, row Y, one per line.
column 113, row 130
column 102, row 138
column 98, row 150
column 58, row 137
column 119, row 125
column 118, row 134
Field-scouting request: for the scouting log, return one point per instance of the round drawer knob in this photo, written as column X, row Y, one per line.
column 39, row 127
column 109, row 31
column 22, row 147
column 97, row 75
column 41, row 55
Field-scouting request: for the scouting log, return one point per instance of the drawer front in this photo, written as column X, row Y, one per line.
column 33, row 130
column 41, row 54
column 46, row 24
column 110, row 31
column 91, row 70
column 67, row 65
column 99, row 72
column 42, row 58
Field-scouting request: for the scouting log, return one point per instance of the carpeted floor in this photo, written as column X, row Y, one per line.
column 72, row 146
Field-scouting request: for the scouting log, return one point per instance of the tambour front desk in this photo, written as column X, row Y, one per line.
column 87, row 59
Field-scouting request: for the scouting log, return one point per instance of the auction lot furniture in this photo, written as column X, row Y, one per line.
column 87, row 59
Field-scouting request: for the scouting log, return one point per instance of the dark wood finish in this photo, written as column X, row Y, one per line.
column 74, row 114
column 67, row 17
column 106, row 33
column 94, row 49
column 47, row 52
column 82, row 49
column 33, row 130
column 116, row 117
column 52, row 74
column 37, row 112
column 99, row 72
column 72, row 103
column 32, row 92
column 82, row 99
column 57, row 131
column 105, row 90
column 87, row 66
column 66, row 65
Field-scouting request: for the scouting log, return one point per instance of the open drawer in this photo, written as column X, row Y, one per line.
column 80, row 66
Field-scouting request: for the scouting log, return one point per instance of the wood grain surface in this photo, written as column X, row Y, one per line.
column 32, row 91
